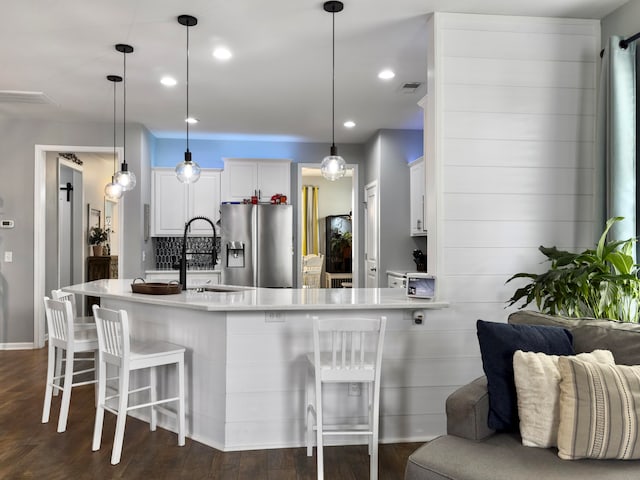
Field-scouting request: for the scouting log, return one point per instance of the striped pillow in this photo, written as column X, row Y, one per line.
column 599, row 410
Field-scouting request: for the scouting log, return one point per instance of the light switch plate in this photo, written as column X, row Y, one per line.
column 8, row 257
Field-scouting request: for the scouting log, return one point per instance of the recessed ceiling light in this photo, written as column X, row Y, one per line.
column 168, row 81
column 349, row 124
column 222, row 53
column 386, row 74
column 191, row 120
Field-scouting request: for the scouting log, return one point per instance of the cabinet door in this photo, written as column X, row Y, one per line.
column 274, row 176
column 169, row 202
column 239, row 180
column 417, row 182
column 204, row 200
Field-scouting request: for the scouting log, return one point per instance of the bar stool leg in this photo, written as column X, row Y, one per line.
column 46, row 409
column 123, row 400
column 102, row 389
column 66, row 393
column 181, row 412
column 319, row 430
column 153, row 377
column 309, row 413
column 58, row 370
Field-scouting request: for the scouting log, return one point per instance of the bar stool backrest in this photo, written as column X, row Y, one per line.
column 59, row 321
column 70, row 297
column 113, row 334
column 348, row 349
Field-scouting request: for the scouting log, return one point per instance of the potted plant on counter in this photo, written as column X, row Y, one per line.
column 601, row 283
column 97, row 237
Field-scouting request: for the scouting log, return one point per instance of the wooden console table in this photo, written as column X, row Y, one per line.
column 99, row 267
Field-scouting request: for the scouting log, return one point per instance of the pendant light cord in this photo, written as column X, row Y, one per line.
column 187, row 119
column 124, row 109
column 333, row 81
column 114, row 129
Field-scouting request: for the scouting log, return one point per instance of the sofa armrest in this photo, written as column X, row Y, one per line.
column 467, row 411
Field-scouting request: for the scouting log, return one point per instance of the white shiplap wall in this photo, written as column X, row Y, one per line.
column 509, row 132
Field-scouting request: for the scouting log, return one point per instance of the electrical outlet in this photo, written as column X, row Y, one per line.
column 355, row 389
column 8, row 257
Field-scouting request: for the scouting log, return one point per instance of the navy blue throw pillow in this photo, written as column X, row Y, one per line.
column 498, row 343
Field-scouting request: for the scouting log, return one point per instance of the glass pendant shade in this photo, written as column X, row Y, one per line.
column 188, row 171
column 113, row 190
column 333, row 166
column 125, row 178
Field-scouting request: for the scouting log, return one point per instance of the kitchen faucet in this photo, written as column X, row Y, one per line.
column 183, row 258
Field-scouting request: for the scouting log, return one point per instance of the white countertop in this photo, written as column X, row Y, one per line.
column 262, row 299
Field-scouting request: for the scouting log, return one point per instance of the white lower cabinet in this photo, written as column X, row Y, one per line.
column 174, row 203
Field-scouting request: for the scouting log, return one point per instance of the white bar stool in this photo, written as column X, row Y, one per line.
column 64, row 336
column 79, row 322
column 346, row 350
column 117, row 349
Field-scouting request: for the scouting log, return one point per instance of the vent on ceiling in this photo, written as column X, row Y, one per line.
column 410, row 87
column 16, row 96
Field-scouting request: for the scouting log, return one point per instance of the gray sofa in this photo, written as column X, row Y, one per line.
column 472, row 451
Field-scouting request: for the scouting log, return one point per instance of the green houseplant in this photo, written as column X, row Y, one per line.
column 97, row 236
column 600, row 283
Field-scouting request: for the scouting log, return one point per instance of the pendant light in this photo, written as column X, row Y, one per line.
column 333, row 166
column 113, row 191
column 125, row 177
column 188, row 171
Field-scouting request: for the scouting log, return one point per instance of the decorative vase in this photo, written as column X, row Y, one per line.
column 97, row 250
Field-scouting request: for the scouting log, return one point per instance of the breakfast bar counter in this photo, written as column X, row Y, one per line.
column 245, row 360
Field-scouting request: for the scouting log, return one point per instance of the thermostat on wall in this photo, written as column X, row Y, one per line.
column 6, row 224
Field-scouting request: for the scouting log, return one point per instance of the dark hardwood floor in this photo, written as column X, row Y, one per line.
column 31, row 449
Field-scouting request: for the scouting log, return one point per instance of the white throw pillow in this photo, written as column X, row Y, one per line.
column 537, row 379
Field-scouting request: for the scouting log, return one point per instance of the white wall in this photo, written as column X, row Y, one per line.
column 509, row 135
column 624, row 21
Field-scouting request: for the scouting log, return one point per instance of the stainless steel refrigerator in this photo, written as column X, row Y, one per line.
column 257, row 245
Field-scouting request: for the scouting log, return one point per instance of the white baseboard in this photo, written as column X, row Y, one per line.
column 17, row 346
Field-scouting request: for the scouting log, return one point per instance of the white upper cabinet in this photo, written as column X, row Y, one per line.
column 417, row 181
column 174, row 203
column 244, row 178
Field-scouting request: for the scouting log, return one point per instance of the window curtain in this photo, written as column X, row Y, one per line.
column 615, row 159
column 310, row 233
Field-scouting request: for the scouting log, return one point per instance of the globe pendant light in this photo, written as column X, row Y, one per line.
column 125, row 177
column 113, row 191
column 188, row 171
column 333, row 165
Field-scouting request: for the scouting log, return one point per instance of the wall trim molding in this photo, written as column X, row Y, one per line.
column 17, row 346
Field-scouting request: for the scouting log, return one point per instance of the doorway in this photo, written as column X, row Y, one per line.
column 371, row 236
column 45, row 230
column 335, row 199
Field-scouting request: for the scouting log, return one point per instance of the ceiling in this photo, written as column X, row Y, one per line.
column 277, row 86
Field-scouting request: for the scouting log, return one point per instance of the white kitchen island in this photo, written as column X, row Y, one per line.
column 245, row 359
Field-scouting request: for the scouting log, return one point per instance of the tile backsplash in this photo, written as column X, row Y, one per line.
column 169, row 249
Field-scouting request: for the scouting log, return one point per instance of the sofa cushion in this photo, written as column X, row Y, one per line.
column 502, row 457
column 599, row 410
column 498, row 343
column 622, row 339
column 589, row 334
column 537, row 378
